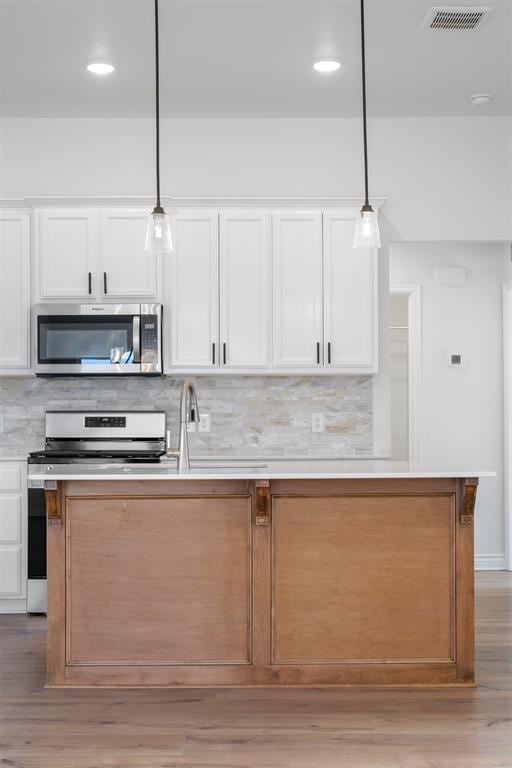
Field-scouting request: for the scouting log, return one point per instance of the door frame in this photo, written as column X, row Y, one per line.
column 507, row 418
column 414, row 348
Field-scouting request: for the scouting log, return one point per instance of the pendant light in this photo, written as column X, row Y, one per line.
column 158, row 231
column 366, row 233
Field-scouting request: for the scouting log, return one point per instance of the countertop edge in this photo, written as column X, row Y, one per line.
column 261, row 475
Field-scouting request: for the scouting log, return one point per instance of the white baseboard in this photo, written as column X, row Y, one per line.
column 490, row 563
column 13, row 605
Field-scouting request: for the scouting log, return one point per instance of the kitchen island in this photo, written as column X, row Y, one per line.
column 276, row 574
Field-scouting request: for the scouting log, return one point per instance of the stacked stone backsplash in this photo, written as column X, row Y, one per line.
column 250, row 415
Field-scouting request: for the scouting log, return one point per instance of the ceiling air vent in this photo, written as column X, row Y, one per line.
column 456, row 17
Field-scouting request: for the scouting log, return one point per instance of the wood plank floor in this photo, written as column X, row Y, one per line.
column 258, row 728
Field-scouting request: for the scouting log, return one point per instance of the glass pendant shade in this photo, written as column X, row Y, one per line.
column 366, row 234
column 158, row 233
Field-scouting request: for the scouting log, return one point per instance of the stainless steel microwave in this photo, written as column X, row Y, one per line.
column 97, row 339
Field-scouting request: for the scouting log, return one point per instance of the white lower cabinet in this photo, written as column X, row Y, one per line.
column 13, row 537
column 14, row 290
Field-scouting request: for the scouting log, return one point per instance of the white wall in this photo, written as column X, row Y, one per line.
column 445, row 178
column 461, row 419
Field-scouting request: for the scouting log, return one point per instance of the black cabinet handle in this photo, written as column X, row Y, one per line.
column 105, row 283
column 329, row 352
column 90, row 282
column 224, row 353
column 318, row 353
column 213, row 353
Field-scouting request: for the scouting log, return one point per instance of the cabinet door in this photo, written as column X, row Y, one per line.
column 244, row 290
column 13, row 533
column 350, row 297
column 353, row 581
column 297, row 254
column 126, row 270
column 67, row 254
column 14, row 291
column 192, row 285
column 185, row 597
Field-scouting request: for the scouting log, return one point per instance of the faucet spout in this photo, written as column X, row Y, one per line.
column 189, row 412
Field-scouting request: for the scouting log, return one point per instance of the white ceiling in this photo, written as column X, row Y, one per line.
column 247, row 58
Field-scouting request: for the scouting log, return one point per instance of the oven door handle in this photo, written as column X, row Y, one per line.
column 136, row 338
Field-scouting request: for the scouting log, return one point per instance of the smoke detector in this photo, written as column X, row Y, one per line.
column 456, row 17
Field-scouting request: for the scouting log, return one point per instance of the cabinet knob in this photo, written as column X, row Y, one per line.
column 213, row 353
column 318, row 353
column 105, row 283
column 224, row 353
column 329, row 352
column 89, row 279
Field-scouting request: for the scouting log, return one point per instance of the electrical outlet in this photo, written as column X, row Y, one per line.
column 204, row 422
column 317, row 422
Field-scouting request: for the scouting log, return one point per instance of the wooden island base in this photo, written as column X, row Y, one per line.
column 257, row 583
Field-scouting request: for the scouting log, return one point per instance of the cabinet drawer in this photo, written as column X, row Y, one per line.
column 10, row 519
column 10, row 478
column 10, row 571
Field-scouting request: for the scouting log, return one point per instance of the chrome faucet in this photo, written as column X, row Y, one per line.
column 189, row 413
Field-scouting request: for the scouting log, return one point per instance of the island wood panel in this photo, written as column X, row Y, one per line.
column 363, row 578
column 256, row 662
column 158, row 580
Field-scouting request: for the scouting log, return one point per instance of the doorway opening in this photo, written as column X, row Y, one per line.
column 405, row 367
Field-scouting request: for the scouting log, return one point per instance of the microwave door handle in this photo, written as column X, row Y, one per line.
column 136, row 338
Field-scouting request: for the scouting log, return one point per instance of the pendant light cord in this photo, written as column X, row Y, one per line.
column 157, row 106
column 365, row 136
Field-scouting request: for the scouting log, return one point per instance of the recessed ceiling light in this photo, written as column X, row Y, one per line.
column 100, row 67
column 479, row 99
column 327, row 65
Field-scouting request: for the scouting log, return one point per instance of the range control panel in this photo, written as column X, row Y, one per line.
column 107, row 422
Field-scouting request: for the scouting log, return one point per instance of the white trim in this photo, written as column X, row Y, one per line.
column 507, row 418
column 13, row 605
column 490, row 563
column 175, row 204
column 415, row 354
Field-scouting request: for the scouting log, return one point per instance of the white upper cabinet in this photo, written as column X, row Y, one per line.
column 350, row 297
column 192, row 291
column 297, row 274
column 94, row 255
column 126, row 270
column 67, row 254
column 14, row 290
column 244, row 290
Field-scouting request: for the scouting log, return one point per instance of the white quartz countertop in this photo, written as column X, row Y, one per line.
column 254, row 469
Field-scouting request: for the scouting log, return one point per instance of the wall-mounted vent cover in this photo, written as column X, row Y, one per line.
column 456, row 17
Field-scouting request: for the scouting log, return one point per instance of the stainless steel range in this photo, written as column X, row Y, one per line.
column 77, row 437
